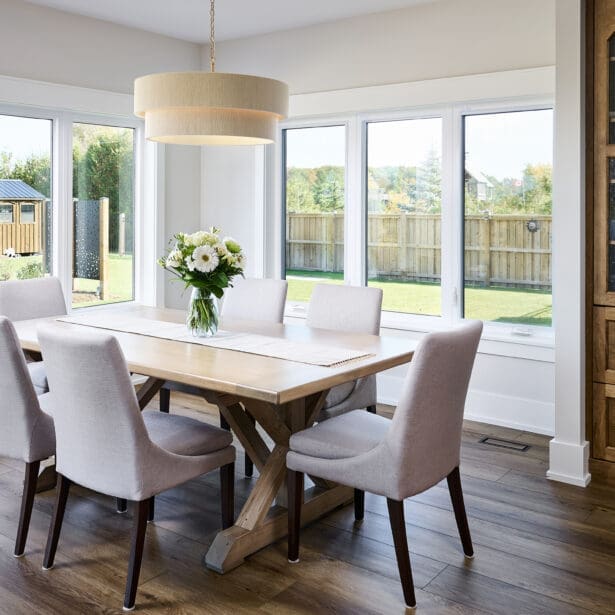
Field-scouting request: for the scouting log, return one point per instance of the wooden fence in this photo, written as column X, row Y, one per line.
column 500, row 250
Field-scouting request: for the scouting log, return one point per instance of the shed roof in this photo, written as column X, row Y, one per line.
column 17, row 189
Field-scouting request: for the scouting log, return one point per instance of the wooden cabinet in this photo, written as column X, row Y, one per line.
column 600, row 87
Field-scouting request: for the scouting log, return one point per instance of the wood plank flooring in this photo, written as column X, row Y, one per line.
column 541, row 547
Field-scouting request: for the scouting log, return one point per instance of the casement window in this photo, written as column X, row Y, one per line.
column 448, row 210
column 78, row 173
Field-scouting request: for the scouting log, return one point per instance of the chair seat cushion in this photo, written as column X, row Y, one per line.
column 38, row 375
column 341, row 437
column 185, row 436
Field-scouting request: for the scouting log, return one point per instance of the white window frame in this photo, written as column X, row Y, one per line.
column 69, row 105
column 452, row 278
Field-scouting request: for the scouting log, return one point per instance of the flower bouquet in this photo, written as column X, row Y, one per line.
column 207, row 263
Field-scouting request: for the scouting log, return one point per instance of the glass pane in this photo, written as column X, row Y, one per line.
column 25, row 183
column 103, row 214
column 27, row 213
column 404, row 203
column 612, row 89
column 315, row 200
column 508, row 203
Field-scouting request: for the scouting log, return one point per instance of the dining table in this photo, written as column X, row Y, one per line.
column 283, row 393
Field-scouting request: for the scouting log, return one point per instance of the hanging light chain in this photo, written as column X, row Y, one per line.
column 212, row 37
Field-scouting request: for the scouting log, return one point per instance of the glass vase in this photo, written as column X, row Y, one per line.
column 203, row 314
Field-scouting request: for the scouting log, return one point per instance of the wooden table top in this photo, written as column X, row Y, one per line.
column 238, row 373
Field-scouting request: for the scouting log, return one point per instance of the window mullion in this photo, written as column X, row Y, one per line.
column 354, row 225
column 452, row 215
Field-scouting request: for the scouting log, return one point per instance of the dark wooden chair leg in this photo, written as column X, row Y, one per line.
column 27, row 500
column 454, row 487
column 359, row 504
column 164, row 399
column 295, row 500
column 56, row 521
column 248, row 465
column 136, row 553
column 372, row 409
column 227, row 492
column 121, row 505
column 398, row 527
column 152, row 508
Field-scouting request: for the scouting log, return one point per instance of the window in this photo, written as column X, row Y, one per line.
column 404, row 204
column 315, row 193
column 27, row 213
column 103, row 214
column 25, row 173
column 6, row 215
column 507, row 206
column 448, row 210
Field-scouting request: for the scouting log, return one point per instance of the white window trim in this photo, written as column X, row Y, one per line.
column 502, row 338
column 64, row 106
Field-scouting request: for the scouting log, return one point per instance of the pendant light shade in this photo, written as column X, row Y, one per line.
column 200, row 108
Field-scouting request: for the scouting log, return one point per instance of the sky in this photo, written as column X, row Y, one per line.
column 499, row 144
column 24, row 136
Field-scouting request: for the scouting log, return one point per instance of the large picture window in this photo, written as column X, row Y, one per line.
column 448, row 210
column 83, row 233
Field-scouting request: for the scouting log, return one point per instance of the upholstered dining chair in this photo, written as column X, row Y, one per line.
column 401, row 457
column 248, row 299
column 26, row 299
column 352, row 309
column 27, row 432
column 106, row 444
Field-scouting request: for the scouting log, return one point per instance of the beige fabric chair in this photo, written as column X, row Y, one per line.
column 104, row 443
column 27, row 433
column 27, row 299
column 356, row 310
column 401, row 457
column 247, row 299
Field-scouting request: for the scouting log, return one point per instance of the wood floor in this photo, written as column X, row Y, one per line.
column 541, row 547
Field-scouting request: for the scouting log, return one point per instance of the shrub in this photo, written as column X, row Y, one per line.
column 31, row 270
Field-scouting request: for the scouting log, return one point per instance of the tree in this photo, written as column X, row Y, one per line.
column 429, row 183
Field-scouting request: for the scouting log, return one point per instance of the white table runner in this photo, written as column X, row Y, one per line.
column 263, row 345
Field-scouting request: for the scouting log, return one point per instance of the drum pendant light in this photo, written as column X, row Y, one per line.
column 200, row 108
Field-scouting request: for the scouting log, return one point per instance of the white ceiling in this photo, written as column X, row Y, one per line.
column 189, row 19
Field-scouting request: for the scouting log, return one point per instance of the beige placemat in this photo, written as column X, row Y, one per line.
column 252, row 343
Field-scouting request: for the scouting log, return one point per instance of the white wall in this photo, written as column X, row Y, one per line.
column 438, row 39
column 430, row 42
column 48, row 45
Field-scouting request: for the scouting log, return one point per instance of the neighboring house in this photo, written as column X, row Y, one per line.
column 22, row 211
column 478, row 185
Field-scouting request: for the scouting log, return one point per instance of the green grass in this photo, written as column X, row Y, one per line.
column 120, row 284
column 511, row 305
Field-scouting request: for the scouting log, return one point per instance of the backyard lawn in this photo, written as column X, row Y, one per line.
column 519, row 306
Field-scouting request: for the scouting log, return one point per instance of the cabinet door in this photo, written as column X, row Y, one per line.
column 604, row 422
column 604, row 153
column 604, row 345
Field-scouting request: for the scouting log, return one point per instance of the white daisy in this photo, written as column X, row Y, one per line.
column 205, row 259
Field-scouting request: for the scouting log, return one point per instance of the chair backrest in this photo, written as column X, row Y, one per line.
column 355, row 309
column 19, row 407
column 101, row 439
column 26, row 299
column 255, row 299
column 425, row 436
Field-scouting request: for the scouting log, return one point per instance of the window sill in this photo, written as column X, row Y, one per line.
column 532, row 343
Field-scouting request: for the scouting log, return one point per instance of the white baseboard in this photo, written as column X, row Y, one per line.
column 487, row 407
